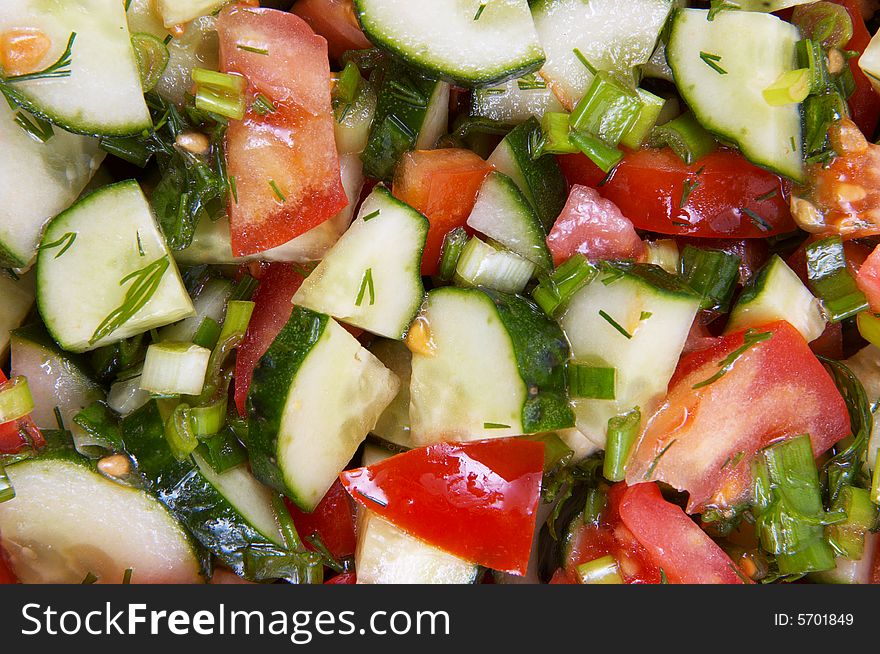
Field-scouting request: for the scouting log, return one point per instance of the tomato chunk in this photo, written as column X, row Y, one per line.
column 284, row 163
column 719, row 196
column 443, row 185
column 842, row 197
column 673, row 541
column 580, row 169
column 702, row 439
column 595, row 227
column 346, row 578
column 332, row 521
column 864, row 104
column 475, row 500
column 336, row 22
column 610, row 538
column 6, row 576
column 868, row 279
column 17, row 435
column 272, row 309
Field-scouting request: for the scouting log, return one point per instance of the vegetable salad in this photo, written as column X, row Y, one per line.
column 439, row 292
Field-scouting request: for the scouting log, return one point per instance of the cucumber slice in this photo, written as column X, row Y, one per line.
column 656, row 310
column 490, row 367
column 865, row 365
column 180, row 12
column 581, row 446
column 767, row 6
column 102, row 95
column 209, row 302
column 127, row 396
column 56, row 379
column 225, row 512
column 869, row 62
column 777, row 293
column 515, row 101
column 611, row 35
column 470, row 42
column 541, row 179
column 387, row 555
column 753, row 50
column 212, row 245
column 502, row 213
column 143, row 16
column 352, row 124
column 315, row 395
column 104, row 234
column 67, row 521
column 197, row 47
column 657, row 67
column 393, row 424
column 373, row 454
column 411, row 113
column 39, row 181
column 16, row 298
column 372, row 278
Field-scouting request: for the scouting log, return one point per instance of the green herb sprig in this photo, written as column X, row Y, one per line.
column 145, row 283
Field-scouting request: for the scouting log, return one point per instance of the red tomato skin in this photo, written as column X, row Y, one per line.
column 776, row 389
column 285, row 163
column 335, row 21
column 868, row 279
column 475, row 500
column 6, row 575
column 346, row 578
column 595, row 227
column 673, row 541
column 611, row 537
column 561, row 577
column 272, row 309
column 864, row 104
column 648, row 186
column 332, row 520
column 443, row 185
column 580, row 169
column 224, row 577
column 830, row 343
column 699, row 338
column 16, row 435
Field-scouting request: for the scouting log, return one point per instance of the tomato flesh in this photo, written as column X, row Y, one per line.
column 332, row 521
column 16, row 435
column 702, row 440
column 475, row 500
column 6, row 576
column 284, row 163
column 443, row 185
column 719, row 196
column 868, row 279
column 610, row 538
column 272, row 309
column 336, row 22
column 864, row 104
column 595, row 227
column 830, row 343
column 673, row 541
